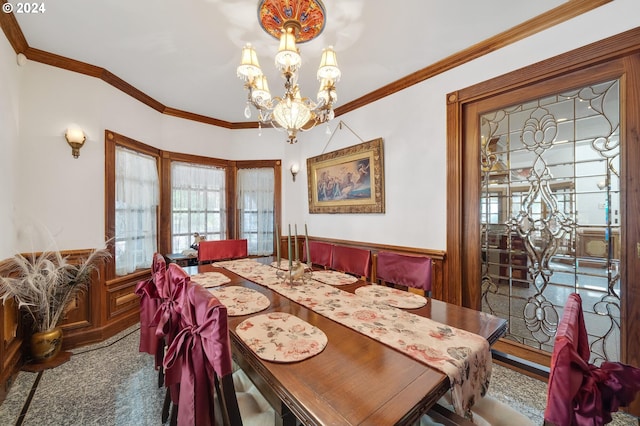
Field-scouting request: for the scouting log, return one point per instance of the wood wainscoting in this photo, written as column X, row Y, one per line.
column 107, row 308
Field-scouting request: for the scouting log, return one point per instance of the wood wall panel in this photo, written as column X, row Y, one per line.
column 97, row 314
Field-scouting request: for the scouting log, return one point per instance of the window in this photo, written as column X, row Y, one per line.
column 255, row 195
column 198, row 203
column 178, row 195
column 136, row 204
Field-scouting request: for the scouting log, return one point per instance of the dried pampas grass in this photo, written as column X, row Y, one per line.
column 43, row 285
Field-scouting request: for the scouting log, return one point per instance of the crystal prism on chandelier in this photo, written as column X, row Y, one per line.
column 291, row 22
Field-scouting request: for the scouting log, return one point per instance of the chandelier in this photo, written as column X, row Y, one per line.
column 291, row 22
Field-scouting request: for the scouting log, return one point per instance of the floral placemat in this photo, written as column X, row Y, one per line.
column 240, row 300
column 392, row 296
column 243, row 265
column 210, row 279
column 281, row 337
column 334, row 277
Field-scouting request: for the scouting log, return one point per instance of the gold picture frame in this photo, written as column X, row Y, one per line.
column 349, row 180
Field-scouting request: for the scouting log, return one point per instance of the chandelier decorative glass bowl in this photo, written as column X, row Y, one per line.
column 291, row 22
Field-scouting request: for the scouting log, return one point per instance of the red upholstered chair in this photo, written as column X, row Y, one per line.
column 209, row 251
column 352, row 260
column 412, row 272
column 202, row 352
column 580, row 393
column 320, row 253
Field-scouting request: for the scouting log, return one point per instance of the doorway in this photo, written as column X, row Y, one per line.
column 539, row 207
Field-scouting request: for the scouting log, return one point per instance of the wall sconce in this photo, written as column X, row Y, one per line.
column 75, row 138
column 295, row 168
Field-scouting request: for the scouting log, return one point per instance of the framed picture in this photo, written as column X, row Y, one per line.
column 349, row 180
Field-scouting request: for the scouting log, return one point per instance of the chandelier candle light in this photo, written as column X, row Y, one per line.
column 291, row 22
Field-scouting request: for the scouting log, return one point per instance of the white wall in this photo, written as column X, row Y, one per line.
column 9, row 122
column 66, row 195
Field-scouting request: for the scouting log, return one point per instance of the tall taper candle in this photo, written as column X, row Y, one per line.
column 277, row 245
column 295, row 240
column 289, row 247
column 306, row 242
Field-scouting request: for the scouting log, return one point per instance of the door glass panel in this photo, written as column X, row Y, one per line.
column 550, row 215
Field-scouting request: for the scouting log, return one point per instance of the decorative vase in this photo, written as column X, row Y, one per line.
column 45, row 345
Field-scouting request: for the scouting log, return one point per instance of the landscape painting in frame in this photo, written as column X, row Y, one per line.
column 349, row 180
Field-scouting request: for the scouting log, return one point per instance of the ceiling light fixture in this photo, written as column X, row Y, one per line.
column 291, row 22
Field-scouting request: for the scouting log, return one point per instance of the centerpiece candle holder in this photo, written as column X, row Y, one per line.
column 297, row 271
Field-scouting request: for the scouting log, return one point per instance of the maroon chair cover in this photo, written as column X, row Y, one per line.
column 150, row 300
column 351, row 260
column 221, row 249
column 202, row 351
column 320, row 253
column 409, row 271
column 168, row 315
column 580, row 393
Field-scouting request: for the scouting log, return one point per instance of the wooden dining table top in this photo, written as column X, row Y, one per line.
column 355, row 380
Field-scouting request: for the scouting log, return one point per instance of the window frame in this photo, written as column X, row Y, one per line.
column 166, row 192
column 277, row 190
column 165, row 158
column 112, row 141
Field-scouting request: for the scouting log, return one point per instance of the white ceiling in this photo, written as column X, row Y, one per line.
column 184, row 53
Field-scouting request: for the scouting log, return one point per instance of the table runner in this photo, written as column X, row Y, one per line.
column 463, row 356
column 240, row 300
column 392, row 296
column 281, row 337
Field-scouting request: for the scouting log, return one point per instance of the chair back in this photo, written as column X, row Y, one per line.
column 352, row 260
column 168, row 315
column 579, row 393
column 150, row 299
column 404, row 270
column 209, row 251
column 320, row 253
column 202, row 353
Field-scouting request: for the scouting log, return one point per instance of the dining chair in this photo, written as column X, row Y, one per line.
column 352, row 260
column 487, row 411
column 580, row 393
column 168, row 318
column 151, row 292
column 320, row 253
column 202, row 352
column 410, row 272
column 209, row 251
column 150, row 299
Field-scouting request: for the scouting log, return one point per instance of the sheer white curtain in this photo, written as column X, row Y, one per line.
column 198, row 203
column 137, row 195
column 255, row 194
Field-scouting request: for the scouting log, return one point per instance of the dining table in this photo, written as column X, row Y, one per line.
column 355, row 379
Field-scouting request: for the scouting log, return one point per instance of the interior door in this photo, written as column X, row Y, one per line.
column 541, row 205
